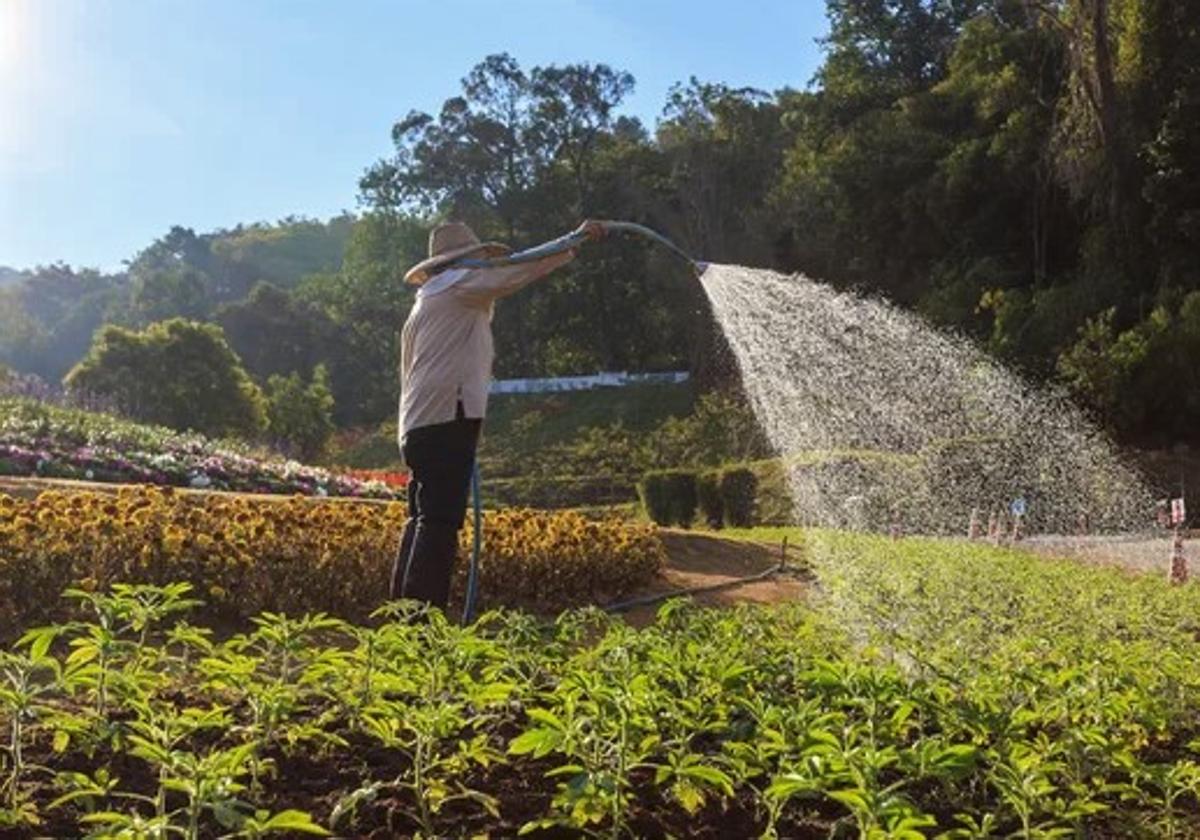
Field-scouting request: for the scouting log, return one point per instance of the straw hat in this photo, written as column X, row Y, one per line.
column 449, row 242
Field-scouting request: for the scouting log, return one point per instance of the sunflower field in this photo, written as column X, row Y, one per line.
column 248, row 555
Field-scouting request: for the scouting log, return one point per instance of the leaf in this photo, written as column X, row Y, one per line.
column 956, row 758
column 567, row 770
column 788, row 785
column 293, row 820
column 546, row 718
column 105, row 818
column 852, row 799
column 82, row 655
column 350, row 802
column 712, row 776
column 62, row 739
column 536, row 825
column 227, row 814
column 903, row 712
column 689, row 796
column 537, row 742
column 492, row 693
column 39, row 640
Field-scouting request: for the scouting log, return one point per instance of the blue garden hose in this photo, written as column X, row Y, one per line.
column 574, row 240
column 473, row 569
column 557, row 246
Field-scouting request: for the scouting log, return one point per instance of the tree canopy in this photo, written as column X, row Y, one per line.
column 175, row 373
column 1026, row 172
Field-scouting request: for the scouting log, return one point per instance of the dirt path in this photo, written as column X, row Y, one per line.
column 699, row 560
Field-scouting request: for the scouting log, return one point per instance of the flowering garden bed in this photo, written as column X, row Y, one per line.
column 51, row 442
column 245, row 555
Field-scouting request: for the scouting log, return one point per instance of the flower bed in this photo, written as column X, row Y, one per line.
column 42, row 440
column 245, row 555
column 392, row 478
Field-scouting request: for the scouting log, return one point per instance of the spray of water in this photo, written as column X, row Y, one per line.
column 880, row 420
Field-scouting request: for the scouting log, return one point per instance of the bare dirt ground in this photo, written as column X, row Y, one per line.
column 701, row 560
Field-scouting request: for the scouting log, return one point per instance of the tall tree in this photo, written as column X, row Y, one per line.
column 301, row 414
column 274, row 332
column 574, row 107
column 472, row 160
column 176, row 373
column 367, row 302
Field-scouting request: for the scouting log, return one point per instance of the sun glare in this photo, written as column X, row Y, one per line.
column 14, row 36
column 18, row 75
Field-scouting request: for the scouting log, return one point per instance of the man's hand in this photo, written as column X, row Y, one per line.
column 592, row 229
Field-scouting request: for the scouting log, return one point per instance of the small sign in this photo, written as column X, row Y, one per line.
column 1018, row 506
column 1178, row 512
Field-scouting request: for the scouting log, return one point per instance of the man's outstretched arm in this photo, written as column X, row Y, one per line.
column 484, row 285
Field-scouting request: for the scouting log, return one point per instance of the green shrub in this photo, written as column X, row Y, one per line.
column 708, row 495
column 300, row 414
column 176, row 373
column 738, row 487
column 773, row 503
column 669, row 496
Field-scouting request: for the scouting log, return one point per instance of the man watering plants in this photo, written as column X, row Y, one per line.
column 445, row 371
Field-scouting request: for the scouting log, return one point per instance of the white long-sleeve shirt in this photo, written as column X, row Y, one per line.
column 446, row 346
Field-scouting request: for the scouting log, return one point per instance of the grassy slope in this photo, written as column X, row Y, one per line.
column 562, row 416
column 525, row 422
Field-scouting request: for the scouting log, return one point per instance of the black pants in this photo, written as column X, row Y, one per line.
column 440, row 459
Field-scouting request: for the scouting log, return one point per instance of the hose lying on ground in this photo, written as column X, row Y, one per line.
column 647, row 600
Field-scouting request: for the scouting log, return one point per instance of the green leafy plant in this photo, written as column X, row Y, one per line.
column 934, row 689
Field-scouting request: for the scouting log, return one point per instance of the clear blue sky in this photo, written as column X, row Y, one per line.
column 121, row 118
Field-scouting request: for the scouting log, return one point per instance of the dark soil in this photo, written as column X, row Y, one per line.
column 315, row 781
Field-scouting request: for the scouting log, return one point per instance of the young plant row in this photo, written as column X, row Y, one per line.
column 933, row 691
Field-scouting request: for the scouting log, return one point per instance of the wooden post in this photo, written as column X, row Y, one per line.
column 974, row 526
column 1179, row 565
column 994, row 528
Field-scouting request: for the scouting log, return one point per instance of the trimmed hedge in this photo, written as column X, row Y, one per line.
column 669, row 496
column 708, row 494
column 738, row 488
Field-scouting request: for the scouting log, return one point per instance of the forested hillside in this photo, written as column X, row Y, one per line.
column 1025, row 172
column 9, row 276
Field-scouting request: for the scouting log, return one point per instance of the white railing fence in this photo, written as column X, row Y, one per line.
column 584, row 383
